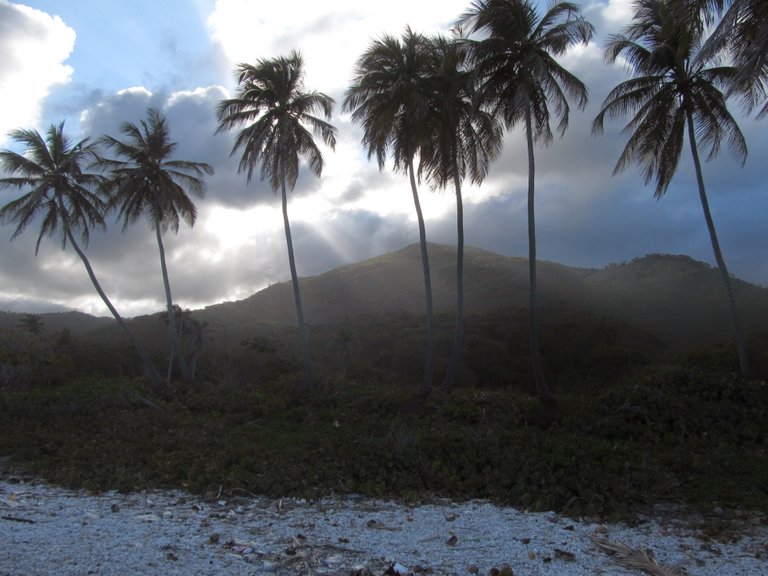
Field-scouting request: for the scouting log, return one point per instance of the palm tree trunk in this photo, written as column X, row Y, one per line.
column 172, row 332
column 542, row 389
column 740, row 343
column 155, row 381
column 458, row 335
column 309, row 379
column 429, row 365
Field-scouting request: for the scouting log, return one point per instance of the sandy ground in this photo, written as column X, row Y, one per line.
column 46, row 530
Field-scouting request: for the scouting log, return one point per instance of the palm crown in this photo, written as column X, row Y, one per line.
column 147, row 180
column 516, row 60
column 672, row 87
column 274, row 107
column 61, row 190
column 388, row 97
column 461, row 138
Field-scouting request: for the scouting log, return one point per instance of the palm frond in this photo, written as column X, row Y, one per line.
column 672, row 83
column 145, row 181
column 272, row 108
column 514, row 55
column 636, row 558
column 52, row 170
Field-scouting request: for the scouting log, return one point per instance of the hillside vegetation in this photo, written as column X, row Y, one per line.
column 639, row 354
column 366, row 320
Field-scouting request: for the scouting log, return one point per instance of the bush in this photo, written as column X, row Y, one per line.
column 689, row 436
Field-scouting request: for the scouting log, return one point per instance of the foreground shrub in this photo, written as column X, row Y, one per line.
column 692, row 437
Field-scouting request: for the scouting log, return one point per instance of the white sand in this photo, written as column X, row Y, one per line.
column 45, row 530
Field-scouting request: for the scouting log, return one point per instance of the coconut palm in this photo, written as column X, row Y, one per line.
column 520, row 79
column 279, row 118
column 145, row 181
column 388, row 99
column 32, row 323
column 66, row 198
column 673, row 95
column 461, row 140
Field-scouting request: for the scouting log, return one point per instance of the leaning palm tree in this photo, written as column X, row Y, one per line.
column 462, row 140
column 520, row 78
column 388, row 99
column 144, row 180
column 673, row 95
column 66, row 198
column 276, row 110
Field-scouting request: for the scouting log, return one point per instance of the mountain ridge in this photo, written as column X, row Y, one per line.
column 674, row 297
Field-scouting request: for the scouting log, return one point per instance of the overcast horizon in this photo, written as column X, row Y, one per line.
column 96, row 64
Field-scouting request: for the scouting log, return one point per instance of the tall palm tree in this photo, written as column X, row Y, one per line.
column 389, row 99
column 279, row 118
column 144, row 180
column 673, row 95
column 461, row 140
column 67, row 199
column 519, row 79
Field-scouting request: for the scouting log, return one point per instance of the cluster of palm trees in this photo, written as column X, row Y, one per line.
column 438, row 108
column 73, row 188
column 445, row 101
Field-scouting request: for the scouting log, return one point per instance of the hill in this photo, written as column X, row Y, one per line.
column 676, row 298
column 369, row 317
column 77, row 323
column 679, row 299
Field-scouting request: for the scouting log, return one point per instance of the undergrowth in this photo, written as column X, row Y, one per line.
column 687, row 436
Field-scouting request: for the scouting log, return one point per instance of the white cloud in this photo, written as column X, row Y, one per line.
column 355, row 211
column 618, row 11
column 330, row 34
column 34, row 46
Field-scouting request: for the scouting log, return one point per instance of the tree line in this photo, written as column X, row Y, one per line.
column 437, row 107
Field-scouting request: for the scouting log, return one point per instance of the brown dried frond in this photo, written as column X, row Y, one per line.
column 639, row 559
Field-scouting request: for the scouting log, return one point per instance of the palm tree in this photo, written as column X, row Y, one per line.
column 519, row 78
column 388, row 99
column 673, row 95
column 32, row 323
column 275, row 108
column 66, row 197
column 461, row 140
column 147, row 182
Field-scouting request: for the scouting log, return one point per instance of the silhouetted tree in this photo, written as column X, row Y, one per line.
column 147, row 182
column 673, row 95
column 461, row 140
column 32, row 323
column 65, row 196
column 389, row 99
column 273, row 105
column 514, row 57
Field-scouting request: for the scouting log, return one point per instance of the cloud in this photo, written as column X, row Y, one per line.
column 585, row 216
column 330, row 34
column 617, row 12
column 34, row 46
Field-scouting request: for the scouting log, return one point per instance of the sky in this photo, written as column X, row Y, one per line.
column 95, row 64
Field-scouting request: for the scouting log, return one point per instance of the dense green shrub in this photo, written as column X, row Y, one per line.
column 689, row 436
